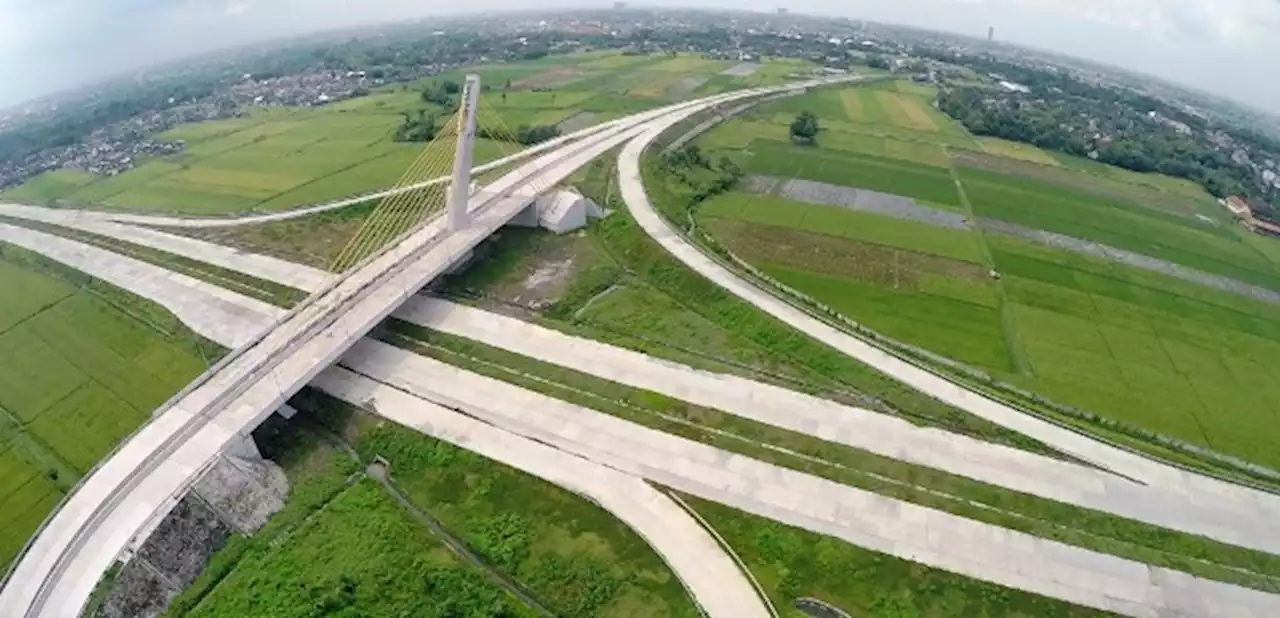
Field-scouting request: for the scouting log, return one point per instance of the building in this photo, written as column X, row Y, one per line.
column 782, row 10
column 1239, row 207
column 619, row 6
column 1265, row 227
column 991, row 33
column 1014, row 87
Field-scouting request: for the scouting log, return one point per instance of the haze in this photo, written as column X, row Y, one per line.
column 1224, row 46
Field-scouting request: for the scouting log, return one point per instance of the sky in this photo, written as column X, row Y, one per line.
column 1224, row 46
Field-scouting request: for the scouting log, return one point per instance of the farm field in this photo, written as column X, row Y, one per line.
column 1142, row 348
column 82, row 366
column 843, row 223
column 1146, row 349
column 1014, row 150
column 281, row 158
column 893, row 176
column 1083, row 175
column 1203, row 245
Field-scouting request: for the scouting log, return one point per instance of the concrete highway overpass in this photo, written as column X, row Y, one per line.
column 405, row 388
column 146, row 476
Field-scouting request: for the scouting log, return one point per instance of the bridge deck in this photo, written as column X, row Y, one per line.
column 146, row 476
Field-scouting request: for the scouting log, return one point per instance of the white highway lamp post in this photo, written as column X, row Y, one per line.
column 462, row 157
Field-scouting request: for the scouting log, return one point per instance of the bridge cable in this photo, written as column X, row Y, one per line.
column 374, row 227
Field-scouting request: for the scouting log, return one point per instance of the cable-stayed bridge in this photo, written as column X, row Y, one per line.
column 418, row 231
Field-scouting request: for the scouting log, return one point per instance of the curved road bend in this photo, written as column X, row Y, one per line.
column 143, row 478
column 1200, row 489
column 220, row 315
column 1223, row 520
column 879, row 523
column 712, row 578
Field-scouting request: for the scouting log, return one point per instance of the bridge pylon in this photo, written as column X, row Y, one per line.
column 461, row 183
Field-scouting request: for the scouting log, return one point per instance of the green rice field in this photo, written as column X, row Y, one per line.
column 1146, row 349
column 281, row 158
column 83, row 366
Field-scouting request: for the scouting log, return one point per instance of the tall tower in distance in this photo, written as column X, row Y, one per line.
column 991, row 33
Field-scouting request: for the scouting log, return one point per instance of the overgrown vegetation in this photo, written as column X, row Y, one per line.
column 571, row 556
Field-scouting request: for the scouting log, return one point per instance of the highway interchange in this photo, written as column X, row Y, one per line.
column 566, row 443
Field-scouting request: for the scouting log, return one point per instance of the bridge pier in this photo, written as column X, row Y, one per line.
column 461, row 184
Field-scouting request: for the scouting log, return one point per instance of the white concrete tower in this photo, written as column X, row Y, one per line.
column 461, row 192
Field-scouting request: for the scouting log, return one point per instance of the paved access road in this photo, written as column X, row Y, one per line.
column 712, row 578
column 880, row 523
column 1226, row 521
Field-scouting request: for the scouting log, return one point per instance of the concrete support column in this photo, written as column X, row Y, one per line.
column 461, row 191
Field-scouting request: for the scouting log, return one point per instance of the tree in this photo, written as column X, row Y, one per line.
column 416, row 128
column 805, row 128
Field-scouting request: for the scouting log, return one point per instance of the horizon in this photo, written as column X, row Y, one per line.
column 266, row 35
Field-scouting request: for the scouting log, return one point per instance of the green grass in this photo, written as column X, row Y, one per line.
column 84, row 364
column 1162, row 354
column 572, row 556
column 1205, row 247
column 841, row 168
column 792, row 563
column 844, row 223
column 49, row 186
column 361, row 555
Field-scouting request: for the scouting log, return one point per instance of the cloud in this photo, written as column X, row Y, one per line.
column 238, row 7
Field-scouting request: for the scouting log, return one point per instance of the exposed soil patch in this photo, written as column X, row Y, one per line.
column 741, row 70
column 554, row 78
column 840, row 257
column 529, row 269
column 863, row 200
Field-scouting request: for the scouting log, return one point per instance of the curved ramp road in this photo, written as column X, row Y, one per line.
column 714, row 581
column 1226, row 521
column 1221, row 519
column 261, row 266
column 1200, row 489
column 142, row 480
column 219, row 315
column 866, row 519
